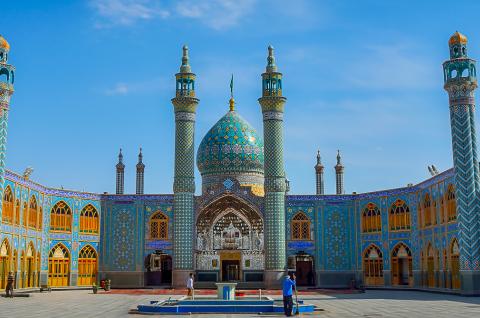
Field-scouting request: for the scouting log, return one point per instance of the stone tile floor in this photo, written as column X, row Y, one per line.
column 372, row 304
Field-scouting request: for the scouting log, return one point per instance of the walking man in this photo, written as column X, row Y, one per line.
column 10, row 283
column 288, row 285
column 190, row 286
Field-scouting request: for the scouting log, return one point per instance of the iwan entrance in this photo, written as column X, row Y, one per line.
column 229, row 242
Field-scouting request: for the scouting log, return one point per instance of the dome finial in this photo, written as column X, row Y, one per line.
column 319, row 159
column 185, row 68
column 4, row 44
column 232, row 101
column 271, row 67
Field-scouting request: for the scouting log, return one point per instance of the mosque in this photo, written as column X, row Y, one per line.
column 245, row 226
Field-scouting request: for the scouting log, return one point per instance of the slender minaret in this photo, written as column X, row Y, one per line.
column 120, row 174
column 184, row 104
column 339, row 174
column 6, row 90
column 272, row 103
column 140, row 173
column 460, row 83
column 319, row 175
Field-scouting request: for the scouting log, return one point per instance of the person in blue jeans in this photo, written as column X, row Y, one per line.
column 288, row 285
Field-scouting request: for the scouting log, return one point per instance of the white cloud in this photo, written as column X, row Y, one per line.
column 217, row 14
column 118, row 89
column 127, row 12
column 392, row 67
column 143, row 87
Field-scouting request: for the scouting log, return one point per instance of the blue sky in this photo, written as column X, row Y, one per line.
column 364, row 77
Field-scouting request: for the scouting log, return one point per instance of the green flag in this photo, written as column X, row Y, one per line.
column 231, row 86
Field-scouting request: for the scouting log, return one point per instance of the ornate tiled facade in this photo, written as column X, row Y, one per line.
column 243, row 226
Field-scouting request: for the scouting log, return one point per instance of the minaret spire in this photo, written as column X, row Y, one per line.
column 339, row 168
column 319, row 168
column 273, row 103
column 120, row 174
column 140, row 173
column 460, row 81
column 184, row 106
column 6, row 92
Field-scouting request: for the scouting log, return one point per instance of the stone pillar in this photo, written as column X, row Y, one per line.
column 272, row 103
column 185, row 104
column 460, row 83
column 6, row 90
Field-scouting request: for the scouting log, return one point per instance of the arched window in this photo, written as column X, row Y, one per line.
column 455, row 263
column 402, row 271
column 7, row 205
column 430, row 266
column 32, row 212
column 5, row 256
column 428, row 211
column 399, row 217
column 25, row 214
column 371, row 219
column 442, row 210
column 373, row 266
column 300, row 227
column 87, row 266
column 17, row 212
column 61, row 217
column 30, row 266
column 58, row 266
column 89, row 220
column 451, row 203
column 159, row 226
column 40, row 218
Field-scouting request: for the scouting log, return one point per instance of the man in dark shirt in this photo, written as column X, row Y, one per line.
column 288, row 285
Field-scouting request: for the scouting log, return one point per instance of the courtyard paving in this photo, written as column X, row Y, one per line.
column 374, row 304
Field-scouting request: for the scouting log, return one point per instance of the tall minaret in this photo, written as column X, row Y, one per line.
column 272, row 103
column 140, row 173
column 319, row 175
column 339, row 174
column 460, row 83
column 120, row 174
column 184, row 105
column 6, row 90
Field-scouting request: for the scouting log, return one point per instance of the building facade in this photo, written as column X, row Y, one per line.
column 244, row 226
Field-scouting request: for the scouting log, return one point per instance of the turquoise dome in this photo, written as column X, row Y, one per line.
column 231, row 146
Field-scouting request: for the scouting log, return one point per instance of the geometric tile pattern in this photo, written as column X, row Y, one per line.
column 460, row 83
column 232, row 145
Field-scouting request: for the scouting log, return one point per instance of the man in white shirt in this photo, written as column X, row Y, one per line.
column 190, row 285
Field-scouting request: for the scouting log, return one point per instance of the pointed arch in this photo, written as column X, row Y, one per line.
column 451, row 203
column 300, row 227
column 89, row 220
column 59, row 265
column 17, row 212
column 402, row 271
column 428, row 211
column 7, row 205
column 87, row 266
column 373, row 266
column 159, row 226
column 30, row 265
column 455, row 263
column 32, row 212
column 61, row 217
column 5, row 262
column 399, row 216
column 430, row 262
column 371, row 219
